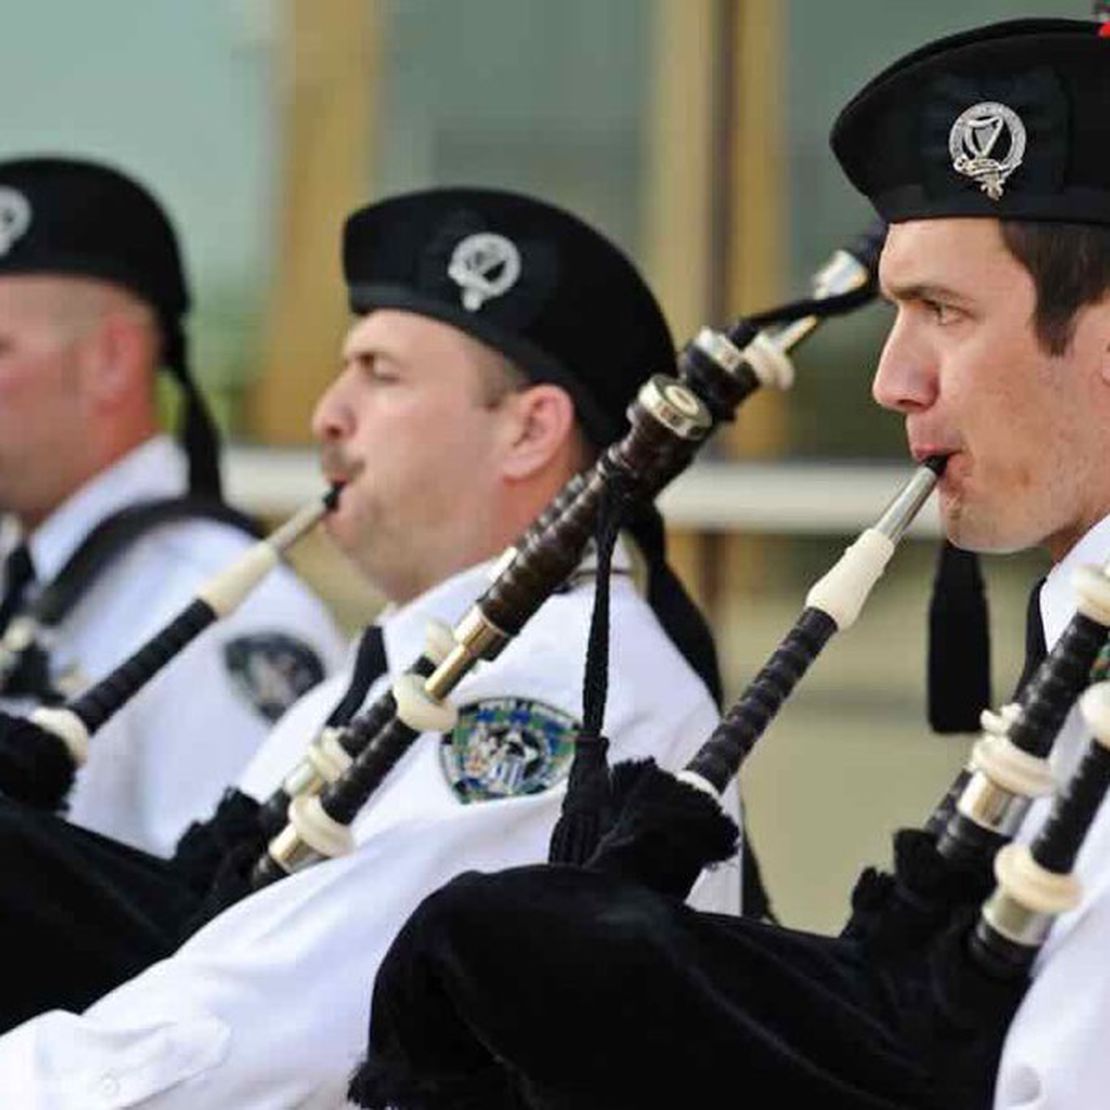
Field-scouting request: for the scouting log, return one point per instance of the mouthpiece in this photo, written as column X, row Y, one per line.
column 900, row 513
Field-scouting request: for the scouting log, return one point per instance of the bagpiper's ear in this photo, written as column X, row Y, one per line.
column 541, row 425
column 119, row 355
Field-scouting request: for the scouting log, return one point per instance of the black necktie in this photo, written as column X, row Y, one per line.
column 1035, row 650
column 370, row 663
column 19, row 573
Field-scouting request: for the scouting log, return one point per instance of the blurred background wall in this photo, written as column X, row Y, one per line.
column 694, row 132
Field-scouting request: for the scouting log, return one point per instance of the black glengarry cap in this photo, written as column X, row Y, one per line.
column 84, row 219
column 525, row 277
column 1008, row 120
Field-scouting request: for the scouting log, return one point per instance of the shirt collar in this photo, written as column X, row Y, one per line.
column 404, row 627
column 1058, row 595
column 154, row 469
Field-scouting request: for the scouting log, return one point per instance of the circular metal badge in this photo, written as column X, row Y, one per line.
column 15, row 218
column 483, row 266
column 987, row 143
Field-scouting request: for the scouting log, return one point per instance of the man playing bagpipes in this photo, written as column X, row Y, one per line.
column 108, row 525
column 497, row 344
column 594, row 986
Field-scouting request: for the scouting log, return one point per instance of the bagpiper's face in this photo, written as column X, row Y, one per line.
column 41, row 402
column 1025, row 431
column 408, row 426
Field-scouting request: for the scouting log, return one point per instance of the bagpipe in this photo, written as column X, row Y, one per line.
column 907, row 1007
column 28, row 635
column 309, row 818
column 949, row 861
column 40, row 753
column 248, row 844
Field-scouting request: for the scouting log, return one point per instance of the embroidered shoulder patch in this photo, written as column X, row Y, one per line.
column 503, row 747
column 272, row 670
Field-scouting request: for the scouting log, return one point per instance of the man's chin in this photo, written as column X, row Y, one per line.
column 985, row 535
column 343, row 533
column 963, row 526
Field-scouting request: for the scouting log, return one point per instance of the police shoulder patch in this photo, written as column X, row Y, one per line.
column 272, row 670
column 504, row 747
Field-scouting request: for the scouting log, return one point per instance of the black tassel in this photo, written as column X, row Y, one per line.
column 587, row 808
column 900, row 912
column 198, row 435
column 204, row 845
column 230, row 884
column 959, row 643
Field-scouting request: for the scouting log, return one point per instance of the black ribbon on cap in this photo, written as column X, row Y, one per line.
column 198, row 431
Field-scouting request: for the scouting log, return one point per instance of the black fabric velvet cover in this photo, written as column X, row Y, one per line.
column 83, row 912
column 79, row 913
column 557, row 987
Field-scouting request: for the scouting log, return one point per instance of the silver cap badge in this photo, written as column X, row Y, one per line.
column 484, row 265
column 975, row 136
column 15, row 218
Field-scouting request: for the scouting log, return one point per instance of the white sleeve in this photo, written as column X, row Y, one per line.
column 267, row 1006
column 167, row 757
column 1055, row 1056
column 287, row 973
column 63, row 1062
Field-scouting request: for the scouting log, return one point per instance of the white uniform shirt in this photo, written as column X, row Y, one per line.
column 165, row 759
column 267, row 1007
column 1056, row 1055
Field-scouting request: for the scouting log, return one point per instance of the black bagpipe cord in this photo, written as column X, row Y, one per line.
column 597, row 828
column 588, row 806
column 593, row 793
column 688, row 631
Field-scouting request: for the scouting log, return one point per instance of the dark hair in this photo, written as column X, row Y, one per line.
column 1070, row 267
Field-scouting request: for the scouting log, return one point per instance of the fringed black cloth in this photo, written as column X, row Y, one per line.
column 83, row 913
column 904, row 910
column 665, row 833
column 79, row 913
column 556, row 987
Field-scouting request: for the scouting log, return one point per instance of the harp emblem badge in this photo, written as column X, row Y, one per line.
column 987, row 143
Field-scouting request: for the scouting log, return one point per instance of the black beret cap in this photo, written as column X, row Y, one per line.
column 63, row 216
column 528, row 279
column 1008, row 120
